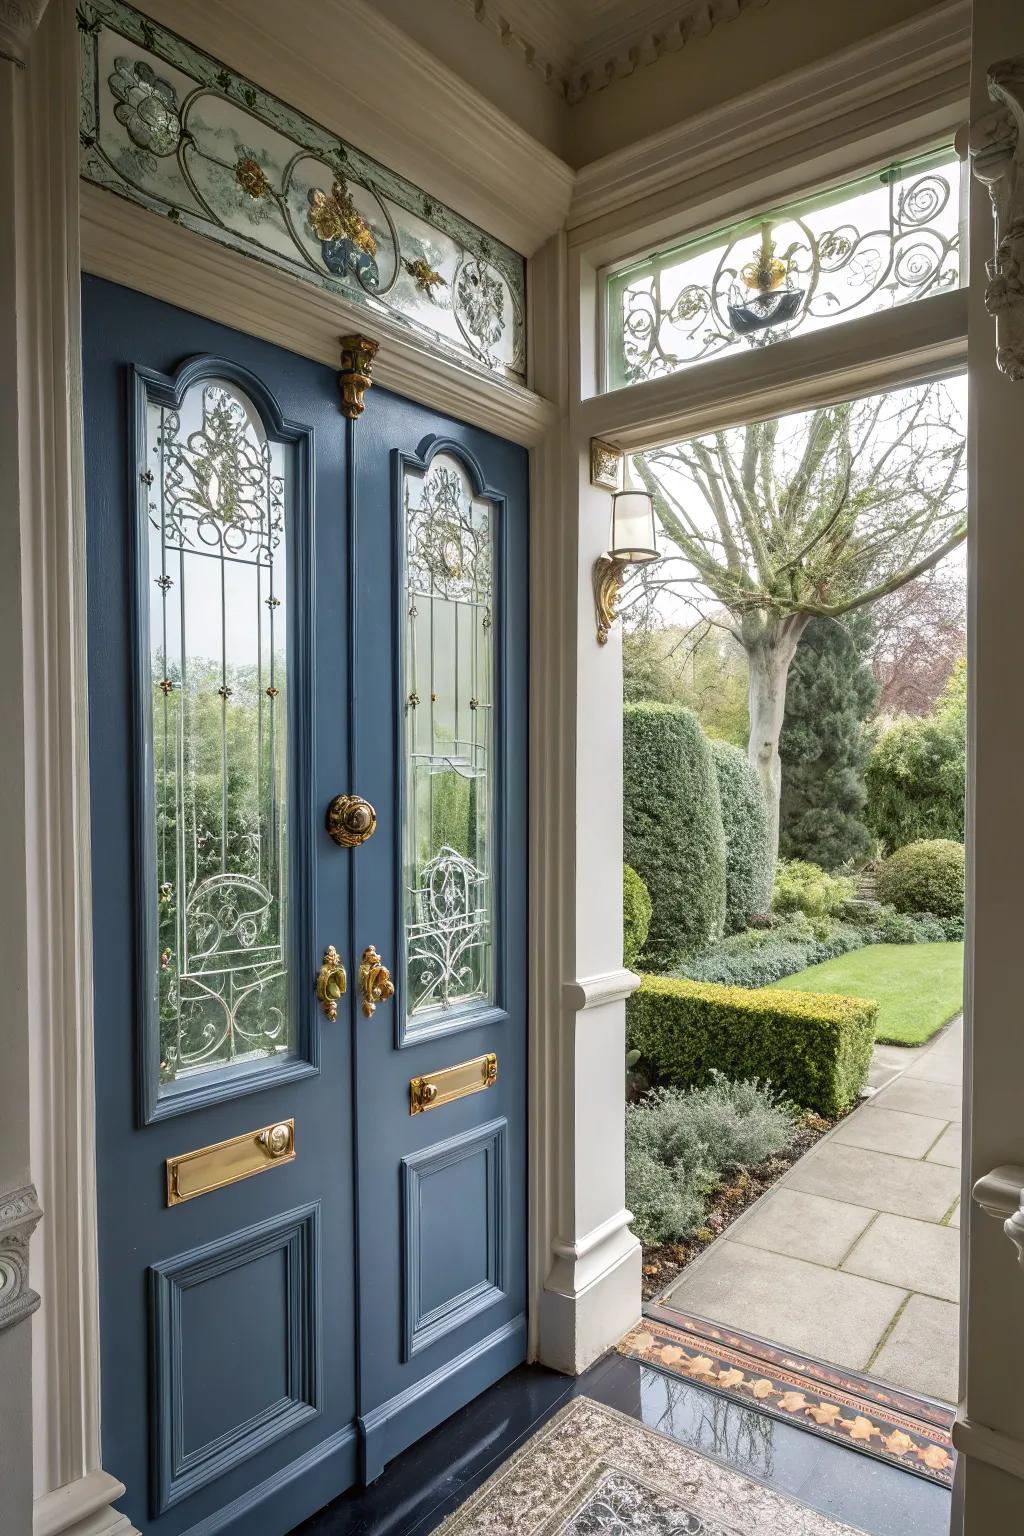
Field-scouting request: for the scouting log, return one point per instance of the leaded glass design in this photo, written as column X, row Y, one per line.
column 449, row 715
column 215, row 497
column 885, row 240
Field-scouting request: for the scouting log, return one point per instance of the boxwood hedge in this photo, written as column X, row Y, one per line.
column 815, row 1048
column 672, row 824
column 748, row 860
column 636, row 916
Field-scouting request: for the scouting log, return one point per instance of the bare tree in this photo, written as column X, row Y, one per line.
column 807, row 516
column 919, row 634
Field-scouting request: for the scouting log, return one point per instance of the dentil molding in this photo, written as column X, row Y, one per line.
column 18, row 22
column 19, row 1213
column 997, row 155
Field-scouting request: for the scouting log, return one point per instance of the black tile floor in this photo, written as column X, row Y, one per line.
column 432, row 1478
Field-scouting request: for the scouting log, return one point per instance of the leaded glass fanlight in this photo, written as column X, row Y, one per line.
column 449, row 740
column 215, row 496
column 885, row 240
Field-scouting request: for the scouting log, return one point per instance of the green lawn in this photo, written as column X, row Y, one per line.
column 917, row 986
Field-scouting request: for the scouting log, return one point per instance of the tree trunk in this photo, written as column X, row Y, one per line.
column 769, row 654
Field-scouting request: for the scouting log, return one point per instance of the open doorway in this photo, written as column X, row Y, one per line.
column 794, row 769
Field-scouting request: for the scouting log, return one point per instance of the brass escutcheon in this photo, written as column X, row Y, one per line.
column 350, row 820
column 331, row 982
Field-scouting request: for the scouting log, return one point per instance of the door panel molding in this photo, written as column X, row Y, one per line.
column 190, row 1093
column 395, row 1424
column 423, row 1327
column 291, row 1495
column 178, row 1472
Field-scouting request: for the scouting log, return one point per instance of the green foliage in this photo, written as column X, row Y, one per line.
column 915, row 774
column 704, row 670
column 813, row 1048
column 678, row 1145
column 803, row 887
column 672, row 823
column 758, row 957
column 824, row 745
column 925, row 877
column 748, row 861
column 636, row 916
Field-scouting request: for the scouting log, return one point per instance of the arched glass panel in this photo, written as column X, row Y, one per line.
column 216, row 498
column 449, row 740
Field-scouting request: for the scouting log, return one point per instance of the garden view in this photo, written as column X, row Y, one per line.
column 794, row 767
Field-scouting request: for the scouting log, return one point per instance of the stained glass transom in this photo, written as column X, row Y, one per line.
column 215, row 494
column 449, row 714
column 885, row 240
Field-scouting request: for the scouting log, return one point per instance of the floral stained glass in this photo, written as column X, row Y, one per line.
column 215, row 494
column 449, row 713
column 886, row 240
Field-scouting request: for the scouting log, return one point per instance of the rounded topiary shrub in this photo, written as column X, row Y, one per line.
column 803, row 887
column 748, row 860
column 636, row 916
column 672, row 824
column 925, row 877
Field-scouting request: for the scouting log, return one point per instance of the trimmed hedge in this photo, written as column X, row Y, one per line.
column 636, row 916
column 748, row 860
column 672, row 825
column 925, row 877
column 815, row 1048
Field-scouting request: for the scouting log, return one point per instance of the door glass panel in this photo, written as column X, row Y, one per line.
column 219, row 712
column 449, row 714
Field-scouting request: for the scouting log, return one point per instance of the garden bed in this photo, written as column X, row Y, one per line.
column 663, row 1263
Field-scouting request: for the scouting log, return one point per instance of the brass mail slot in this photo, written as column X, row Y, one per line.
column 452, row 1083
column 196, row 1173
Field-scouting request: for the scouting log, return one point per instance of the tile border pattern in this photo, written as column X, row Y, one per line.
column 839, row 1405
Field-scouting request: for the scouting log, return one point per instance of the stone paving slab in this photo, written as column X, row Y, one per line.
column 921, row 1352
column 916, row 1255
column 889, row 1130
column 822, row 1312
column 948, row 1148
column 922, row 1096
column 801, row 1226
column 898, row 1184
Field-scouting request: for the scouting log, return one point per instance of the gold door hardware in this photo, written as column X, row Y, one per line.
column 350, row 820
column 225, row 1162
column 374, row 981
column 356, row 374
column 452, row 1083
column 331, row 982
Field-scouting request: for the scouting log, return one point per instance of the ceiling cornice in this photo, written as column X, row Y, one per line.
column 626, row 39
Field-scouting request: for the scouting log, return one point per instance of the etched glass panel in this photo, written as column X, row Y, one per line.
column 216, row 498
column 882, row 241
column 449, row 714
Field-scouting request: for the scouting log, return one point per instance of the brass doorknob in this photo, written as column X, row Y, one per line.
column 350, row 820
column 331, row 982
column 374, row 981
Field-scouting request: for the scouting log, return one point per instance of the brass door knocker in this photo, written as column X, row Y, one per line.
column 374, row 981
column 331, row 982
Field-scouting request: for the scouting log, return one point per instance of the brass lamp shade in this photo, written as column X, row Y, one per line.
column 633, row 539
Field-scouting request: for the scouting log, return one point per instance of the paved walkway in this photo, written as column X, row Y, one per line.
column 854, row 1255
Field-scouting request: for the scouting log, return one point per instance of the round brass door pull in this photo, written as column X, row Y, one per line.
column 350, row 820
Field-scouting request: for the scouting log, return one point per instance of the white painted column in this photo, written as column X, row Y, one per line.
column 585, row 1260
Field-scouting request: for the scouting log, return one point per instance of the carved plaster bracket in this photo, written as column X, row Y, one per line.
column 997, row 156
column 19, row 1213
column 18, row 22
column 1001, row 1194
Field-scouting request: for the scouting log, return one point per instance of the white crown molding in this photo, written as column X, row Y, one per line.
column 1001, row 1195
column 19, row 1213
column 909, row 70
column 594, row 991
column 350, row 69
column 635, row 34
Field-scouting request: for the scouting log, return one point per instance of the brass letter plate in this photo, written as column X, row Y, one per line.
column 196, row 1173
column 452, row 1083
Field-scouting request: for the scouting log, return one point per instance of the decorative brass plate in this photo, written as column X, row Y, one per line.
column 350, row 820
column 452, row 1083
column 225, row 1162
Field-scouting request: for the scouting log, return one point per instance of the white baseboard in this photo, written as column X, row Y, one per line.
column 82, row 1508
column 578, row 1325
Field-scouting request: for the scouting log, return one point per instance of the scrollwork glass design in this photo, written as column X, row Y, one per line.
column 215, row 492
column 163, row 124
column 883, row 241
column 449, row 715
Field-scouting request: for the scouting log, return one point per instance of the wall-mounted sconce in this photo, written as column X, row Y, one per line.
column 632, row 542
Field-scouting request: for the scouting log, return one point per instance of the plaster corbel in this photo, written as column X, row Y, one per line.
column 997, row 156
column 19, row 1212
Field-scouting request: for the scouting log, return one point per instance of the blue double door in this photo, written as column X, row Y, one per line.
column 308, row 722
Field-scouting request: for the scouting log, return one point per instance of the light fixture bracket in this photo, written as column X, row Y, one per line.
column 609, row 576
